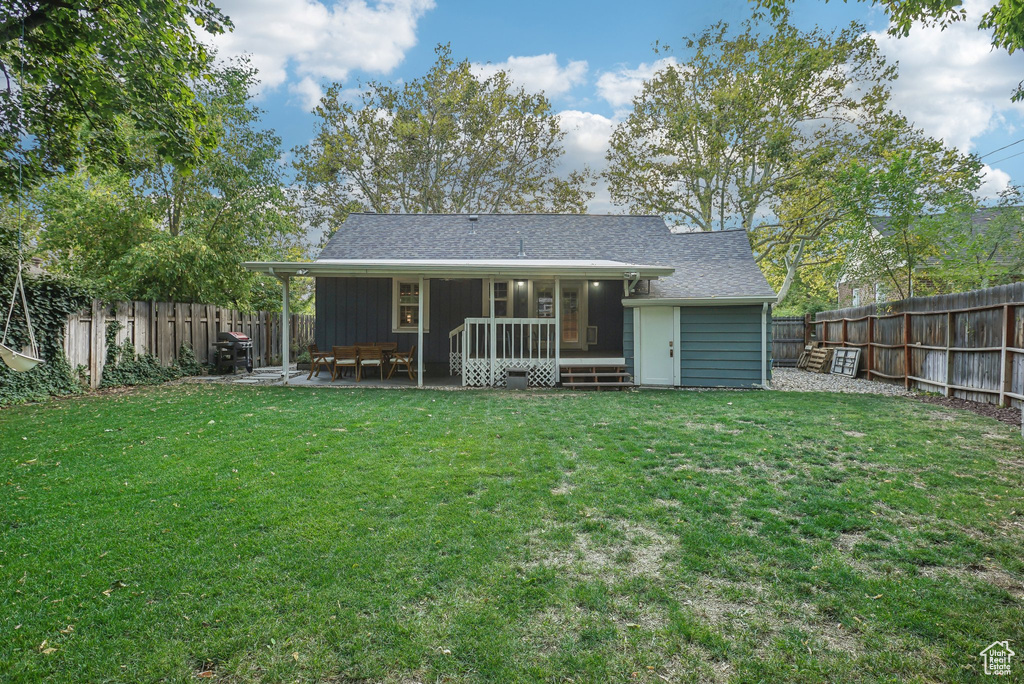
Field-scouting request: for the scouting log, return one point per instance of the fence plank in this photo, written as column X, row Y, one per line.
column 159, row 328
column 963, row 344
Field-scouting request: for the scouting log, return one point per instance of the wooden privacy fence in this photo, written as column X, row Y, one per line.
column 160, row 328
column 963, row 345
column 790, row 334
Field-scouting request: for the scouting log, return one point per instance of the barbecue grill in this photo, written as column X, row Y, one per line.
column 232, row 350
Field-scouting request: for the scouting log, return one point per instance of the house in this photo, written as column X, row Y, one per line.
column 482, row 295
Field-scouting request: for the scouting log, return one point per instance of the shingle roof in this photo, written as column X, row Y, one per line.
column 717, row 264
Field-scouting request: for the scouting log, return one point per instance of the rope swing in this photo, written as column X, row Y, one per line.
column 17, row 360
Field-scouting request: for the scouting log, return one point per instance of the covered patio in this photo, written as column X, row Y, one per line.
column 490, row 317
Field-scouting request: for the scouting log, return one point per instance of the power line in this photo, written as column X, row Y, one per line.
column 1001, row 148
column 1005, row 158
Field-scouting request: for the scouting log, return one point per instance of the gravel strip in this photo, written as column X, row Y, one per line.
column 796, row 380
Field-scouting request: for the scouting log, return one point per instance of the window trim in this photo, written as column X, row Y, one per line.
column 425, row 295
column 510, row 298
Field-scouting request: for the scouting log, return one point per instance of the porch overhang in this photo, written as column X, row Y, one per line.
column 461, row 268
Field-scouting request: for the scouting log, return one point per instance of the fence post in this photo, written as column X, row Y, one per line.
column 869, row 355
column 844, row 331
column 949, row 353
column 906, row 350
column 98, row 357
column 807, row 330
column 1005, row 367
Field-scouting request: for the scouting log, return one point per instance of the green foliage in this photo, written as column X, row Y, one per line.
column 85, row 68
column 50, row 301
column 447, row 142
column 899, row 210
column 124, row 367
column 176, row 233
column 750, row 130
column 979, row 249
column 1005, row 19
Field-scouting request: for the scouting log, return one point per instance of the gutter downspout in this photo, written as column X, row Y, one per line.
column 764, row 346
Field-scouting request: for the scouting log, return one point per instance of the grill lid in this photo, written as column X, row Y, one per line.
column 232, row 337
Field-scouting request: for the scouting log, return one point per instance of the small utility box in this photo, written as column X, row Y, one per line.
column 516, row 378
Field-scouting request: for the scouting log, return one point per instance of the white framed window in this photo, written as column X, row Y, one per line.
column 856, row 296
column 544, row 299
column 503, row 299
column 405, row 305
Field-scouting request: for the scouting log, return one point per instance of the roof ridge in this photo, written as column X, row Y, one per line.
column 535, row 213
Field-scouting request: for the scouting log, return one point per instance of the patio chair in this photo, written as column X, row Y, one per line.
column 344, row 357
column 318, row 360
column 372, row 357
column 405, row 360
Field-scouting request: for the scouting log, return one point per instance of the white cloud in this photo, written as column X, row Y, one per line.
column 307, row 91
column 539, row 73
column 619, row 87
column 952, row 83
column 307, row 41
column 586, row 137
column 585, row 144
column 993, row 182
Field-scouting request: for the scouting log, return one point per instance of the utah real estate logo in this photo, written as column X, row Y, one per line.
column 997, row 658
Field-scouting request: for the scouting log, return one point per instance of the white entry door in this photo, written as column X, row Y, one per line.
column 657, row 345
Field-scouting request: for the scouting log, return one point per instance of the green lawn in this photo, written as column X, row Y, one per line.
column 272, row 534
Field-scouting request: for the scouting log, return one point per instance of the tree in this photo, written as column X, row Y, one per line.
column 902, row 209
column 750, row 133
column 980, row 248
column 83, row 68
column 1005, row 19
column 447, row 142
column 176, row 232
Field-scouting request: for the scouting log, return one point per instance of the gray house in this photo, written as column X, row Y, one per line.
column 541, row 294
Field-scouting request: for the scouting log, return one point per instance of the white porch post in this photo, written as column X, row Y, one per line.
column 558, row 328
column 494, row 328
column 419, row 337
column 286, row 335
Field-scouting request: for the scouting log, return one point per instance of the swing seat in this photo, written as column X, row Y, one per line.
column 18, row 362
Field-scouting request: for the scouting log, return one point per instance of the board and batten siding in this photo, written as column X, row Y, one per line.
column 721, row 346
column 628, row 343
column 354, row 310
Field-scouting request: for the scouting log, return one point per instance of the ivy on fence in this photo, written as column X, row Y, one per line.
column 125, row 367
column 51, row 300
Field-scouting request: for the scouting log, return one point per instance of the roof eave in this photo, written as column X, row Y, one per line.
column 315, row 269
column 700, row 301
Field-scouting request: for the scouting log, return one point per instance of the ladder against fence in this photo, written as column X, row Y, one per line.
column 969, row 345
column 160, row 328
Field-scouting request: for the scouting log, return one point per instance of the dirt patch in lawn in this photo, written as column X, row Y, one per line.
column 1010, row 416
column 632, row 548
column 994, row 576
column 746, row 608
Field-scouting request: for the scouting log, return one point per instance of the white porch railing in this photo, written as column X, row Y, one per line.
column 483, row 358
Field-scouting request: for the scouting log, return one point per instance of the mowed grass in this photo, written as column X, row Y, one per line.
column 274, row 534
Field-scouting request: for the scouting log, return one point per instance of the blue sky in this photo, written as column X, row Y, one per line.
column 590, row 57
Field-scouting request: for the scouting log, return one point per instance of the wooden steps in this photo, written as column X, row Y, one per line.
column 578, row 376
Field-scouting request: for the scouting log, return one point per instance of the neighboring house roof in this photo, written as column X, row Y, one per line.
column 981, row 221
column 707, row 265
